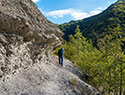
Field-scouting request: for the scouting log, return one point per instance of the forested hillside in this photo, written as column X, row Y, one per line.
column 108, row 22
column 102, row 66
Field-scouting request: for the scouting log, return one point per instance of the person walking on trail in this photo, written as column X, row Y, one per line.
column 60, row 55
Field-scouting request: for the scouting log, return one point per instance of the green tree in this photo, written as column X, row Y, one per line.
column 112, row 57
column 104, row 67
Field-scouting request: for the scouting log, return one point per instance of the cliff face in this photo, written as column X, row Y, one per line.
column 25, row 35
column 27, row 39
column 21, row 17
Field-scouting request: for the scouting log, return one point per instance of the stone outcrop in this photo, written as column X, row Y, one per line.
column 27, row 39
column 22, row 17
column 25, row 35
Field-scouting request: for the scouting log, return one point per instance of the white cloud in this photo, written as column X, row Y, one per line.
column 94, row 12
column 99, row 8
column 59, row 13
column 76, row 14
column 109, row 2
column 35, row 1
column 79, row 15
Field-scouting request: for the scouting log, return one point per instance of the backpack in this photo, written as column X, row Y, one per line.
column 60, row 52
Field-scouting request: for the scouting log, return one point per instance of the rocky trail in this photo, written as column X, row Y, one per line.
column 47, row 79
column 27, row 39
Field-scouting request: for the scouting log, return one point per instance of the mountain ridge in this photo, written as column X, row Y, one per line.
column 107, row 22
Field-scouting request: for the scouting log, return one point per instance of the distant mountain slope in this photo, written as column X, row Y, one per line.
column 109, row 21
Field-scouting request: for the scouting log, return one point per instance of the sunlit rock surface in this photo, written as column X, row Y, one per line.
column 27, row 39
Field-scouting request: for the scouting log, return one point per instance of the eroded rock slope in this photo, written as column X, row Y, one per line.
column 27, row 39
column 25, row 35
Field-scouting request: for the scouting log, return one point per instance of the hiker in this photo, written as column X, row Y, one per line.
column 60, row 55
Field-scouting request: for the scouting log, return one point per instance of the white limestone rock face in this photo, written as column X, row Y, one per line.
column 22, row 17
column 25, row 36
column 27, row 39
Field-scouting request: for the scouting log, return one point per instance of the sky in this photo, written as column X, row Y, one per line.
column 62, row 11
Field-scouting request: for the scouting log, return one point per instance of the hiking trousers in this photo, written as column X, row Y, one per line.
column 61, row 60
